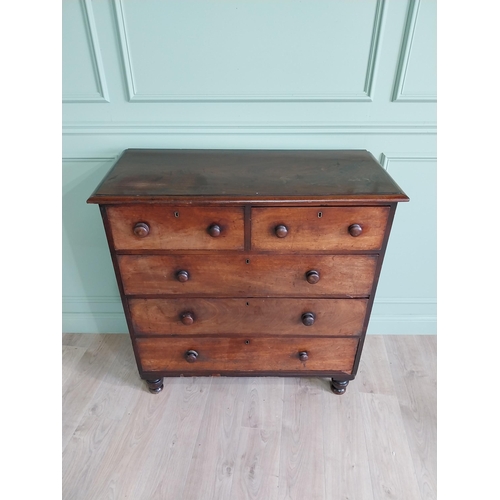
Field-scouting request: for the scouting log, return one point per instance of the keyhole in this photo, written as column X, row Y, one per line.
column 176, row 214
column 247, row 342
column 248, row 261
column 320, row 214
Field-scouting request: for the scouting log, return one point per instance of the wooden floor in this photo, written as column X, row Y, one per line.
column 249, row 438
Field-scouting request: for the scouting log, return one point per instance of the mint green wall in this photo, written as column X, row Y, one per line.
column 333, row 74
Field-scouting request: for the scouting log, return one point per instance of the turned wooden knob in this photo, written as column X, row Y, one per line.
column 187, row 318
column 141, row 229
column 281, row 231
column 312, row 276
column 191, row 356
column 355, row 229
column 182, row 276
column 303, row 356
column 214, row 230
column 308, row 319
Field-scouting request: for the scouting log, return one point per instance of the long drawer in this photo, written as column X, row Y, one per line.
column 248, row 275
column 310, row 228
column 261, row 354
column 147, row 227
column 255, row 316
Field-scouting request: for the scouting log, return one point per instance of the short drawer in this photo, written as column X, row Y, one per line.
column 255, row 316
column 328, row 228
column 149, row 227
column 262, row 354
column 248, row 275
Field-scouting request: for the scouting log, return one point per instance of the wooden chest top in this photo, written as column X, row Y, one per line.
column 247, row 176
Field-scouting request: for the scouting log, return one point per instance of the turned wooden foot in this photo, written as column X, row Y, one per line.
column 339, row 387
column 155, row 386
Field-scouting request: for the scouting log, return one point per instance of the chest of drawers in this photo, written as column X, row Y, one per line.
column 246, row 263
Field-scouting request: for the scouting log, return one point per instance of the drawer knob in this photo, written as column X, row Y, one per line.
column 308, row 318
column 214, row 230
column 187, row 318
column 303, row 356
column 141, row 229
column 312, row 276
column 281, row 231
column 355, row 229
column 191, row 356
column 182, row 276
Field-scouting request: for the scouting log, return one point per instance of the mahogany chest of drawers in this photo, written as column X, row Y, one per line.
column 247, row 262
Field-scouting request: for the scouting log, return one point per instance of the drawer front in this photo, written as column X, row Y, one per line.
column 248, row 275
column 195, row 316
column 224, row 354
column 328, row 228
column 149, row 227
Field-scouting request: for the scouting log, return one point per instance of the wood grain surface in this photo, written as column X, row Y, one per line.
column 256, row 472
column 209, row 175
column 248, row 275
column 300, row 462
column 176, row 228
column 323, row 228
column 268, row 354
column 415, row 388
column 244, row 316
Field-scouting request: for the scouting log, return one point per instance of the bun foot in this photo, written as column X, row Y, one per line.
column 339, row 387
column 155, row 386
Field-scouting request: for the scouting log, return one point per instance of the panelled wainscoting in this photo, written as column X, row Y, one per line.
column 215, row 75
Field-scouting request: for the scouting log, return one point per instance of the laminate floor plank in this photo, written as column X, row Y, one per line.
column 79, row 340
column 83, row 455
column 164, row 471
column 257, row 469
column 85, row 379
column 263, row 402
column 212, row 466
column 119, row 467
column 74, row 347
column 302, row 466
column 347, row 469
column 71, row 355
column 391, row 466
column 413, row 363
column 374, row 373
column 114, row 398
column 265, row 438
